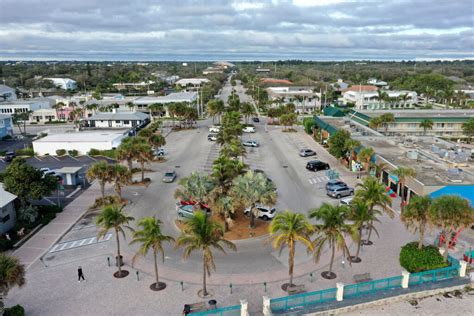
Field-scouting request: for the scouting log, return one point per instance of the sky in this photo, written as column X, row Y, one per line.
column 236, row 30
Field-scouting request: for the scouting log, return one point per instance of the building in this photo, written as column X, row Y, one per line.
column 63, row 83
column 446, row 123
column 24, row 106
column 194, row 82
column 224, row 64
column 116, row 119
column 44, row 115
column 7, row 93
column 262, row 70
column 305, row 99
column 7, row 210
column 6, row 125
column 272, row 81
column 176, row 97
column 83, row 142
column 377, row 83
column 133, row 85
column 372, row 100
column 213, row 70
column 340, row 85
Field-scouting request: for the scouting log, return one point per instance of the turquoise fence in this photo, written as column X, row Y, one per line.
column 434, row 275
column 223, row 311
column 301, row 300
column 372, row 286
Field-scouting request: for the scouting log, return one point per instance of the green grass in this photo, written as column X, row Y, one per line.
column 110, row 153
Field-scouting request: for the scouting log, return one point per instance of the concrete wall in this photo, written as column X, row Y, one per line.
column 7, row 214
column 49, row 148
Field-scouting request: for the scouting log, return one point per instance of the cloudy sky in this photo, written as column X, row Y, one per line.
column 236, row 30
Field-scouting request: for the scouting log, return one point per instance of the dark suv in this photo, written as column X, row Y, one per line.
column 9, row 156
column 315, row 165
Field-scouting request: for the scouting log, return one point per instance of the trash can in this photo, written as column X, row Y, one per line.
column 118, row 261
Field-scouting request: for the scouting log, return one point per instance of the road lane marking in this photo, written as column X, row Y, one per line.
column 79, row 243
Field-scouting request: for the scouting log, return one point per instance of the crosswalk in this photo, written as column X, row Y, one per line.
column 79, row 243
column 316, row 180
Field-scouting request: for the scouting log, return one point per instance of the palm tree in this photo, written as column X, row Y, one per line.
column 11, row 273
column 351, row 145
column 58, row 106
column 403, row 173
column 151, row 237
column 287, row 229
column 247, row 110
column 386, row 119
column 119, row 176
column 196, row 187
column 113, row 217
column 100, row 171
column 252, row 188
column 365, row 156
column 373, row 193
column 202, row 233
column 416, row 215
column 375, row 123
column 450, row 213
column 361, row 216
column 426, row 124
column 144, row 155
column 331, row 231
column 223, row 205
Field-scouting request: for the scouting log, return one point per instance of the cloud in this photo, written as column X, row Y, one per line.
column 236, row 30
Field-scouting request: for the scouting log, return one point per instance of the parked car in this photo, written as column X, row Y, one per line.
column 251, row 143
column 340, row 191
column 169, row 177
column 189, row 202
column 9, row 156
column 256, row 119
column 214, row 129
column 335, row 183
column 307, row 152
column 187, row 211
column 248, row 129
column 315, row 165
column 264, row 212
column 347, row 200
column 160, row 152
column 212, row 137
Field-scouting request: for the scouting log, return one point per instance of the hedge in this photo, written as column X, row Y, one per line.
column 418, row 260
column 16, row 310
column 61, row 152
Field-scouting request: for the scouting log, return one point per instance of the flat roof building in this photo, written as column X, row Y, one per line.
column 305, row 99
column 117, row 120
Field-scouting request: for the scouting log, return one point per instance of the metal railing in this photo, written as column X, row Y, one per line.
column 369, row 287
column 223, row 311
column 434, row 275
column 301, row 300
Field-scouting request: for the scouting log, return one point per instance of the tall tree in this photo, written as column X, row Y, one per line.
column 113, row 217
column 119, row 176
column 203, row 234
column 468, row 129
column 144, row 155
column 99, row 171
column 286, row 230
column 365, row 156
column 12, row 273
column 337, row 143
column 331, row 227
column 403, row 173
column 417, row 215
column 450, row 213
column 253, row 188
column 150, row 237
column 426, row 124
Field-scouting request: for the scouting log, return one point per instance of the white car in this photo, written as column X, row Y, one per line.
column 212, row 137
column 347, row 200
column 214, row 129
column 250, row 143
column 264, row 212
column 248, row 129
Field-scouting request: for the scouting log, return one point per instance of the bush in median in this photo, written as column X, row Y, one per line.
column 417, row 260
column 61, row 152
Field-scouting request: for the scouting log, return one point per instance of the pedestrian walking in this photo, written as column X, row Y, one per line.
column 80, row 274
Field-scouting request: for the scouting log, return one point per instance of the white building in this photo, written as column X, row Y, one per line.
column 305, row 99
column 177, row 97
column 195, row 82
column 377, row 83
column 24, row 106
column 117, row 120
column 370, row 100
column 7, row 210
column 63, row 83
column 83, row 142
column 7, row 93
column 134, row 85
column 44, row 115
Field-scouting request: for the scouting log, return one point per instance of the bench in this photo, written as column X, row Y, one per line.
column 364, row 277
column 195, row 307
column 295, row 289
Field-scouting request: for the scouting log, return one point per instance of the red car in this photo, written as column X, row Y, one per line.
column 190, row 202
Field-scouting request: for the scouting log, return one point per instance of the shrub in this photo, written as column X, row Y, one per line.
column 110, row 153
column 107, row 200
column 73, row 152
column 6, row 244
column 48, row 217
column 25, row 152
column 308, row 123
column 61, row 152
column 416, row 260
column 16, row 310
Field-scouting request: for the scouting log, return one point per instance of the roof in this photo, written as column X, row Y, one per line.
column 5, row 116
column 170, row 98
column 361, row 88
column 118, row 116
column 271, row 80
column 333, row 111
column 79, row 137
column 4, row 89
column 5, row 196
column 194, row 81
column 65, row 170
column 417, row 115
column 464, row 191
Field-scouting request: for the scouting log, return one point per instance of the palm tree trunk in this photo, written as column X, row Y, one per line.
column 156, row 268
column 370, row 231
column 252, row 216
column 142, row 164
column 422, row 235
column 102, row 188
column 332, row 257
column 118, row 191
column 291, row 261
column 119, row 261
column 129, row 163
column 447, row 241
column 204, row 289
column 359, row 242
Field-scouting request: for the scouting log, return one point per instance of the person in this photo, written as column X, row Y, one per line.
column 80, row 274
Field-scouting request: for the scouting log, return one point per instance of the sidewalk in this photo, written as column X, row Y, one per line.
column 47, row 236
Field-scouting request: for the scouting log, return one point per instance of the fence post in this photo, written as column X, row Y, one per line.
column 244, row 308
column 340, row 291
column 267, row 311
column 462, row 268
column 406, row 279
